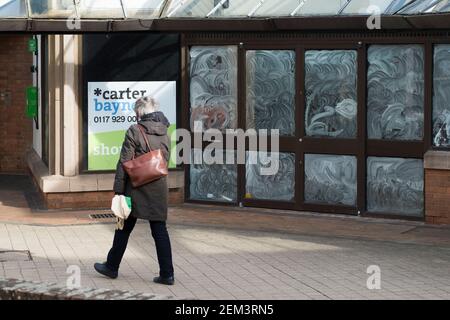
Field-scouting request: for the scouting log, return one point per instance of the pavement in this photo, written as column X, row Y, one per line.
column 234, row 253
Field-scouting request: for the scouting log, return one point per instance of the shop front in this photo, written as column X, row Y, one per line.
column 362, row 113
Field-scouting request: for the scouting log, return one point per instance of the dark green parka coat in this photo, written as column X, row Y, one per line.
column 149, row 202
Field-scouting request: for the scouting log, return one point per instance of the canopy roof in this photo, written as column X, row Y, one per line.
column 209, row 10
column 213, row 9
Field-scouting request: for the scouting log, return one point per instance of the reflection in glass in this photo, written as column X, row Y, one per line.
column 395, row 185
column 143, row 9
column 52, row 9
column 395, row 92
column 213, row 87
column 214, row 182
column 366, row 7
column 441, row 99
column 279, row 186
column 271, row 90
column 331, row 93
column 100, row 9
column 13, row 9
column 330, row 179
column 419, row 7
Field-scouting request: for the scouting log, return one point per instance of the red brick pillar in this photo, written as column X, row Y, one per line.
column 437, row 187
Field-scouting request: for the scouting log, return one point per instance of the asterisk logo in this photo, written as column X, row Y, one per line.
column 98, row 92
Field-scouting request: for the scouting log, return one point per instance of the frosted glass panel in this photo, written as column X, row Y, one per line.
column 366, row 7
column 100, row 9
column 143, row 8
column 13, row 9
column 271, row 90
column 441, row 98
column 213, row 87
column 214, row 182
column 330, row 179
column 331, row 93
column 395, row 92
column 279, row 186
column 395, row 185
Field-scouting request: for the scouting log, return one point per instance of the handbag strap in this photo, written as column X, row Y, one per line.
column 145, row 137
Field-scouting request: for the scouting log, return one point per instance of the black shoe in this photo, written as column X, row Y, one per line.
column 103, row 269
column 167, row 281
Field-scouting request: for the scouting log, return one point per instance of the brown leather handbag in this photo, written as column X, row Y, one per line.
column 146, row 168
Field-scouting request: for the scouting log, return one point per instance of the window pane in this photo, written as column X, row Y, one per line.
column 213, row 87
column 277, row 8
column 441, row 99
column 52, row 9
column 143, row 9
column 100, row 9
column 395, row 92
column 396, row 5
column 13, row 9
column 214, row 182
column 395, row 185
column 213, row 8
column 330, row 179
column 276, row 185
column 321, row 7
column 331, row 93
column 366, row 7
column 419, row 6
column 271, row 90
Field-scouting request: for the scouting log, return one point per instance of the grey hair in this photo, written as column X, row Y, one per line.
column 146, row 105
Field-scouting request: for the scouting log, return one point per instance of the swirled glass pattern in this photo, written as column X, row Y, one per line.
column 395, row 98
column 441, row 98
column 270, row 180
column 213, row 87
column 213, row 182
column 330, row 179
column 395, row 186
column 271, row 90
column 331, row 93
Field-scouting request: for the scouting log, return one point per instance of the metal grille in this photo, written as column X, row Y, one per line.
column 15, row 255
column 102, row 216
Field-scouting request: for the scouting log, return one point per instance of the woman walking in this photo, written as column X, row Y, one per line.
column 149, row 202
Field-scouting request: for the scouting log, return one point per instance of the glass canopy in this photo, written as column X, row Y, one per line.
column 210, row 9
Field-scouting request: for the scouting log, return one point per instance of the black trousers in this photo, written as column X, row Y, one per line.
column 162, row 243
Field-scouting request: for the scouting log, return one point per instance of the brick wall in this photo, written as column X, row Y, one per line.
column 95, row 200
column 437, row 196
column 16, row 134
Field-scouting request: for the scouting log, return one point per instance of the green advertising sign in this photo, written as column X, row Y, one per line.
column 32, row 102
column 32, row 45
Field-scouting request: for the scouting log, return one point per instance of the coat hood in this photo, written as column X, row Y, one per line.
column 155, row 123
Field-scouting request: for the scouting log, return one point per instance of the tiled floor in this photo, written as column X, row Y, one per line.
column 216, row 263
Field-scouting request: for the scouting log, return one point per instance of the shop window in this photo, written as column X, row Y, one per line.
column 331, row 93
column 441, row 99
column 271, row 90
column 13, row 9
column 213, row 87
column 395, row 101
column 279, row 185
column 330, row 179
column 213, row 182
column 395, row 185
